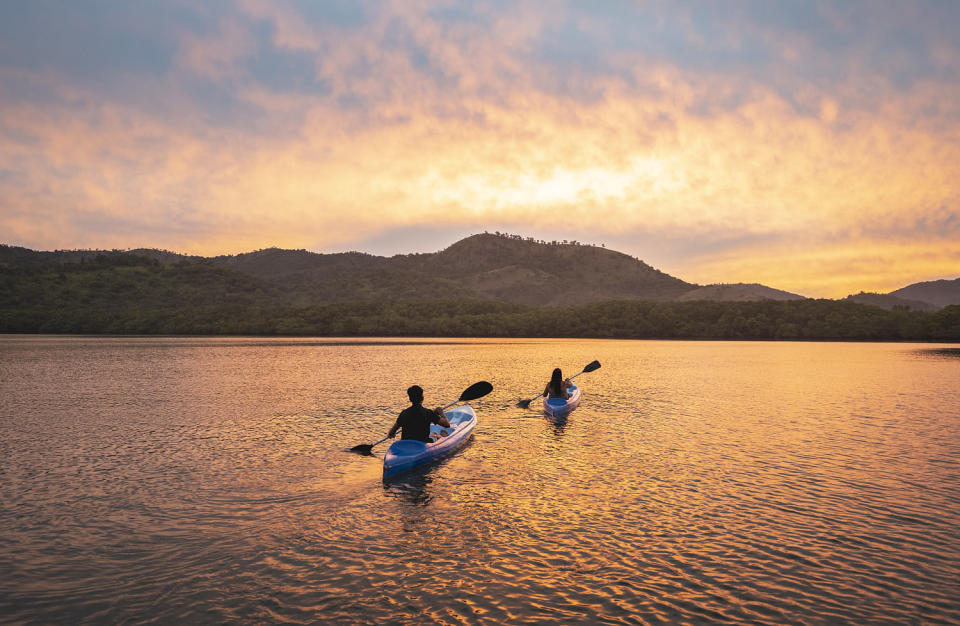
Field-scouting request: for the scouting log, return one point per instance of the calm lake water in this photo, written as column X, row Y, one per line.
column 208, row 480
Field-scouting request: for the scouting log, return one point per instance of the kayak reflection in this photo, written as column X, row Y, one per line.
column 559, row 424
column 411, row 488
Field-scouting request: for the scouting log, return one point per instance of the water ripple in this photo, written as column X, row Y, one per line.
column 197, row 480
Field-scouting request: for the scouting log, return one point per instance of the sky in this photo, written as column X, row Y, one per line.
column 811, row 146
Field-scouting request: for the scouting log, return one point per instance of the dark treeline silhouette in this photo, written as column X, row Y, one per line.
column 126, row 294
column 564, row 242
column 480, row 267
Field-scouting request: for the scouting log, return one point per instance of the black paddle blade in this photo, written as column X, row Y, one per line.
column 363, row 448
column 476, row 390
column 593, row 366
column 524, row 404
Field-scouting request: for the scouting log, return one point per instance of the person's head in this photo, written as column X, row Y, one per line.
column 415, row 393
column 556, row 380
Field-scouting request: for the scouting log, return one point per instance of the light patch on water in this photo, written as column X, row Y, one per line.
column 211, row 480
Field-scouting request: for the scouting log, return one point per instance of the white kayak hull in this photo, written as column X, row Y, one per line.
column 405, row 454
column 561, row 407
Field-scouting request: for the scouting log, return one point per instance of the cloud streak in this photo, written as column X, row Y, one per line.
column 809, row 146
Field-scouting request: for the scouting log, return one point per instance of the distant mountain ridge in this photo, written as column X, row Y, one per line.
column 923, row 296
column 483, row 266
column 487, row 266
column 520, row 270
column 938, row 292
column 738, row 292
column 890, row 302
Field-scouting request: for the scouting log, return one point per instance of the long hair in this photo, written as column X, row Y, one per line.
column 556, row 382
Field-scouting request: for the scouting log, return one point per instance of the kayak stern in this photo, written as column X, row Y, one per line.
column 561, row 407
column 407, row 454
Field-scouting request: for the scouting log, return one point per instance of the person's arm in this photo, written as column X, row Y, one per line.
column 441, row 418
column 394, row 429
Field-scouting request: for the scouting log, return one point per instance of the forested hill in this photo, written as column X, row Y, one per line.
column 925, row 296
column 451, row 293
column 514, row 269
column 890, row 302
column 937, row 292
column 484, row 267
column 738, row 292
column 498, row 267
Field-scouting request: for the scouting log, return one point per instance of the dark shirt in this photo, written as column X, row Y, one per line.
column 415, row 422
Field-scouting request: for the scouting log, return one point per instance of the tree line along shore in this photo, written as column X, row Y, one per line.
column 131, row 295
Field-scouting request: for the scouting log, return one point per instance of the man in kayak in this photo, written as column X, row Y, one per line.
column 415, row 420
column 557, row 387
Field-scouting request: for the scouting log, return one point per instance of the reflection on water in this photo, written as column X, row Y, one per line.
column 210, row 480
column 559, row 423
column 940, row 352
column 411, row 487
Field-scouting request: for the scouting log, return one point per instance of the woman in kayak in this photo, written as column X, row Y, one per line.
column 558, row 385
column 415, row 420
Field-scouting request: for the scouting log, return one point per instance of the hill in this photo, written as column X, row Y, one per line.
column 485, row 266
column 737, row 292
column 486, row 285
column 514, row 269
column 126, row 293
column 890, row 302
column 938, row 292
column 275, row 263
column 502, row 268
column 17, row 257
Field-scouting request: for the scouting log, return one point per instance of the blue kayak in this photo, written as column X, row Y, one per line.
column 561, row 407
column 406, row 454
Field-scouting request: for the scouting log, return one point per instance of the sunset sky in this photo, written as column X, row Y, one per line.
column 809, row 146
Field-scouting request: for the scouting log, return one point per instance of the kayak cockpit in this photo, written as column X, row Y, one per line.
column 407, row 447
column 456, row 419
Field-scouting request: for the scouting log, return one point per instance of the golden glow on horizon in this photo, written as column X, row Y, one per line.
column 849, row 196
